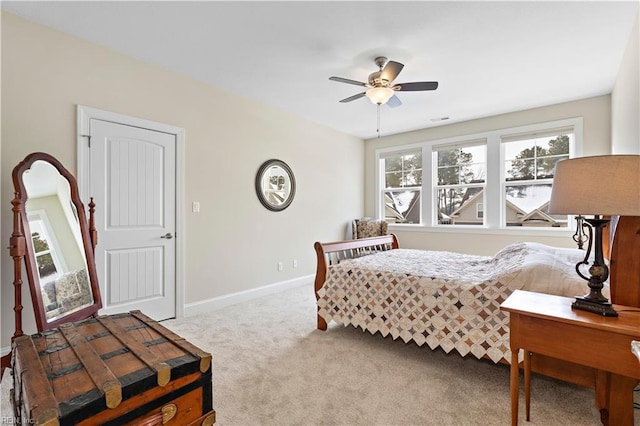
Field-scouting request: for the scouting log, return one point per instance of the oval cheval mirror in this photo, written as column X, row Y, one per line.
column 58, row 243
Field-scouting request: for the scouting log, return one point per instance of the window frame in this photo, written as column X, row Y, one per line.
column 382, row 190
column 535, row 180
column 494, row 197
column 50, row 237
column 436, row 187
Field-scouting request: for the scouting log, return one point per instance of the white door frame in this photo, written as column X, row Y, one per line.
column 84, row 115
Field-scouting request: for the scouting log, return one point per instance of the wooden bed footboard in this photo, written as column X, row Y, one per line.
column 333, row 253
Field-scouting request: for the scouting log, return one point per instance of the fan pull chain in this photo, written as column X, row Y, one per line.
column 378, row 126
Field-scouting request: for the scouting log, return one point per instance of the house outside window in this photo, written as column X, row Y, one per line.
column 497, row 179
column 402, row 191
column 529, row 164
column 459, row 182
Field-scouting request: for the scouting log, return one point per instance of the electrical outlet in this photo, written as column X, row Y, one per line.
column 280, row 266
column 295, row 263
column 195, row 207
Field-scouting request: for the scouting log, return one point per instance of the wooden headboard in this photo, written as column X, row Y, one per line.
column 624, row 260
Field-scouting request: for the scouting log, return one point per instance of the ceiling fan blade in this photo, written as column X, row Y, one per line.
column 353, row 98
column 346, row 80
column 394, row 102
column 416, row 86
column 391, row 71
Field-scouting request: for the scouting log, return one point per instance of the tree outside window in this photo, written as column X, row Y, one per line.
column 402, row 187
column 46, row 266
column 461, row 175
column 529, row 169
column 48, row 263
column 514, row 193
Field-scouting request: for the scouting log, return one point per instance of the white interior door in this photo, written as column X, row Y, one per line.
column 132, row 178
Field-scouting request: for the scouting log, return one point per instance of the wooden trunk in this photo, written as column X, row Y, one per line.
column 113, row 370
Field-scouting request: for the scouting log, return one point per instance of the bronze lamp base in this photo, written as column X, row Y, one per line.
column 602, row 308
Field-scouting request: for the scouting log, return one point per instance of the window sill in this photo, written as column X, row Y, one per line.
column 472, row 229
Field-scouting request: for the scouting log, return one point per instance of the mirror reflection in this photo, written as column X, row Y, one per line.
column 56, row 242
column 275, row 185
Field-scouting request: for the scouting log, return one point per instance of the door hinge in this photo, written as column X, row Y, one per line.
column 88, row 139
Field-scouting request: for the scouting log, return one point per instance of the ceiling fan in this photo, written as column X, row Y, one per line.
column 379, row 87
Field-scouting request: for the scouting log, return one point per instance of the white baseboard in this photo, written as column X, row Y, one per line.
column 219, row 302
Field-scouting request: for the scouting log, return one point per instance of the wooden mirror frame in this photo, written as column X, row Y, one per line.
column 21, row 247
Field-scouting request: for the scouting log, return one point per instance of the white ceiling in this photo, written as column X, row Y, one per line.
column 489, row 57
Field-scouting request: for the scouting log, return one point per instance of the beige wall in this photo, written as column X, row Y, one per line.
column 234, row 243
column 231, row 247
column 596, row 113
column 625, row 99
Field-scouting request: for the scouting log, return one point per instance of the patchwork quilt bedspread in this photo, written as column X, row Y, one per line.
column 447, row 300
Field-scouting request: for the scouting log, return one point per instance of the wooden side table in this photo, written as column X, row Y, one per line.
column 546, row 324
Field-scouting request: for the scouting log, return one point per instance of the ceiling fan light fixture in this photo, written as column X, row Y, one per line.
column 379, row 95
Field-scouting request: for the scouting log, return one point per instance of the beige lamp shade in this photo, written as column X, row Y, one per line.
column 600, row 185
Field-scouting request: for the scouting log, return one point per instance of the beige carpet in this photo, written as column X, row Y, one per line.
column 272, row 367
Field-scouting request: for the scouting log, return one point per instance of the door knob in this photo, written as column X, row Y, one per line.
column 168, row 236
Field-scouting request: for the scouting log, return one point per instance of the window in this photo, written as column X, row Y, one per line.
column 402, row 186
column 49, row 267
column 499, row 179
column 460, row 179
column 528, row 174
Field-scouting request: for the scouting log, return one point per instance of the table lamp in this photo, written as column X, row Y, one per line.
column 605, row 185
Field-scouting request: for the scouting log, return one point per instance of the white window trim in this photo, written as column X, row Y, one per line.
column 54, row 248
column 493, row 184
column 463, row 141
column 380, row 184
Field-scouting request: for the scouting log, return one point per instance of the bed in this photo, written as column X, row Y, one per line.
column 428, row 298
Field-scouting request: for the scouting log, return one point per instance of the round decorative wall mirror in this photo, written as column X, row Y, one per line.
column 275, row 185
